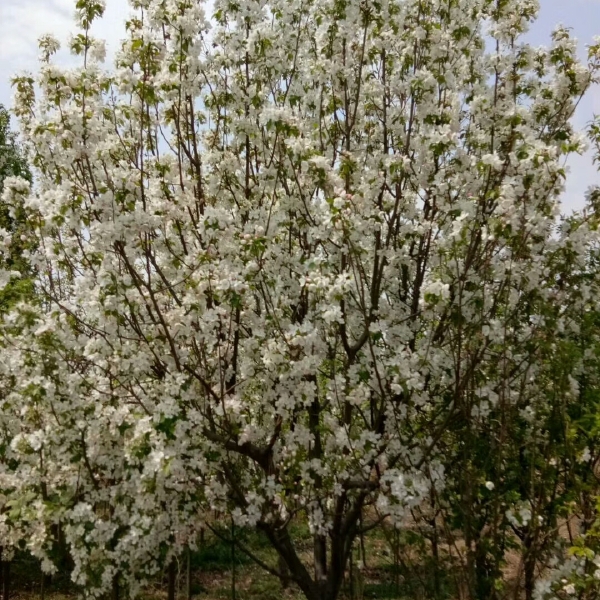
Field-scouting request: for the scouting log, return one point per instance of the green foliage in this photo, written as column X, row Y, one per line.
column 13, row 164
column 12, row 161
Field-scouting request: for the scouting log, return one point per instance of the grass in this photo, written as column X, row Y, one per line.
column 212, row 572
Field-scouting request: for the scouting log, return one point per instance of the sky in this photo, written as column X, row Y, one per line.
column 23, row 21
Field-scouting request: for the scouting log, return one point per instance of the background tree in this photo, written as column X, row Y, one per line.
column 12, row 219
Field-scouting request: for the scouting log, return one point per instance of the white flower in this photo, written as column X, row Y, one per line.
column 492, row 160
column 98, row 50
column 48, row 45
column 436, row 288
column 585, row 456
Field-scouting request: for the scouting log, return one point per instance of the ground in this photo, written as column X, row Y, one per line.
column 387, row 575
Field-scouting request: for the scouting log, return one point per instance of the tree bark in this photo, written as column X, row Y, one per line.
column 5, row 580
column 285, row 573
column 172, row 576
column 530, row 575
column 233, row 573
column 188, row 577
column 116, row 590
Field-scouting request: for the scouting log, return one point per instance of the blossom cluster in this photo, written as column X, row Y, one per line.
column 284, row 255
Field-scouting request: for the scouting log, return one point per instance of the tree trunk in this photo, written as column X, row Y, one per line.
column 483, row 572
column 233, row 573
column 5, row 580
column 320, row 557
column 436, row 560
column 285, row 573
column 397, row 560
column 188, row 576
column 340, row 543
column 172, row 575
column 363, row 550
column 116, row 590
column 529, row 575
column 351, row 574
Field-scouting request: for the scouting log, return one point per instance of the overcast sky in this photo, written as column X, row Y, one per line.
column 23, row 21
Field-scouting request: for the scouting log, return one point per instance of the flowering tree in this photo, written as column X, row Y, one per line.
column 297, row 260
